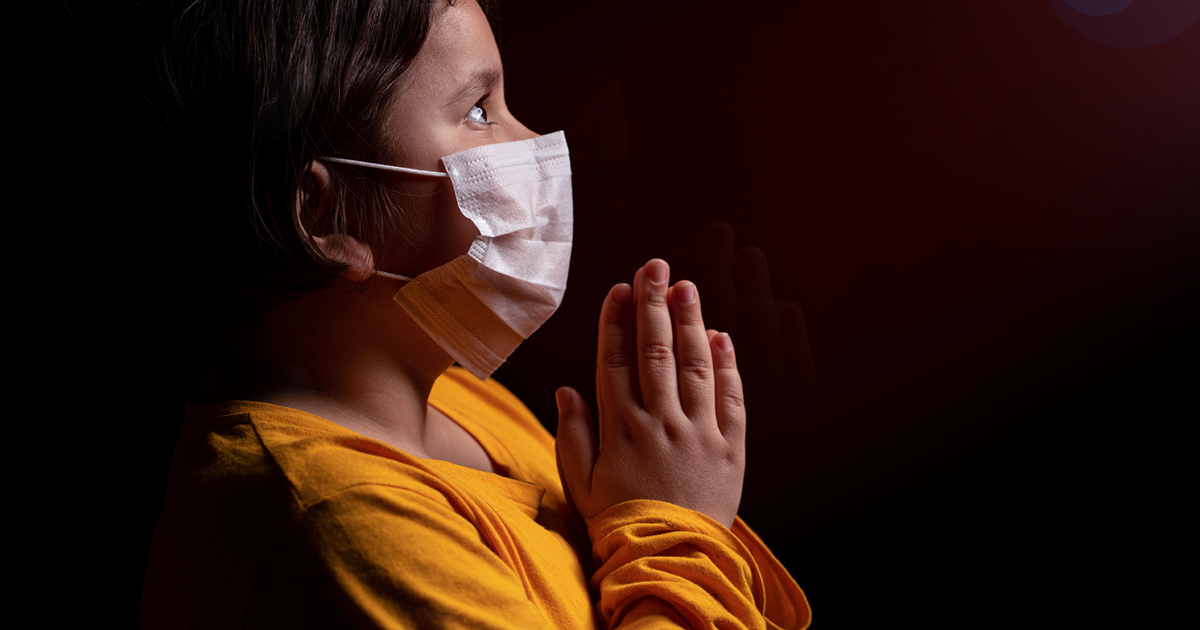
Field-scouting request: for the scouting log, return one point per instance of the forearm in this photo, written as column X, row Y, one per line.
column 662, row 566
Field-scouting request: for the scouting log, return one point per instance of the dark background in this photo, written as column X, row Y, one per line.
column 990, row 219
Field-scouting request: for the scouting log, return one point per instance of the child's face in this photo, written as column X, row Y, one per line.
column 451, row 99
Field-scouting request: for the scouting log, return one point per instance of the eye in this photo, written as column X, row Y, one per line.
column 478, row 114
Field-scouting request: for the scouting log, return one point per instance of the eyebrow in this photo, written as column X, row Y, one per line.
column 480, row 81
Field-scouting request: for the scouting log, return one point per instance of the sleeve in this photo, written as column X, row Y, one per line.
column 663, row 566
column 384, row 557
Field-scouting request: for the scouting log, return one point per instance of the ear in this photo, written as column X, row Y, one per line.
column 313, row 199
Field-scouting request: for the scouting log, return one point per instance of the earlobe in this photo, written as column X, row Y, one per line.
column 313, row 200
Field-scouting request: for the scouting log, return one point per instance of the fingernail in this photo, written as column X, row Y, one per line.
column 563, row 398
column 724, row 343
column 687, row 293
column 657, row 270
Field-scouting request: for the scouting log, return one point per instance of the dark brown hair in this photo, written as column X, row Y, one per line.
column 255, row 89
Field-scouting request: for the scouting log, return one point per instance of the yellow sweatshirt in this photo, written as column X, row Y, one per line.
column 277, row 518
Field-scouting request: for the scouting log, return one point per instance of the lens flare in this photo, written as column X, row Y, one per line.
column 1128, row 23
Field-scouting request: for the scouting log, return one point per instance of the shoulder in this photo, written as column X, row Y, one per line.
column 390, row 556
column 240, row 442
column 268, row 504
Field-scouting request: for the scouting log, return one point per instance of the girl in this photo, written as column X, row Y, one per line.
column 374, row 215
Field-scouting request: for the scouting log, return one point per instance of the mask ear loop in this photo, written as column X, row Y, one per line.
column 386, row 167
column 394, row 276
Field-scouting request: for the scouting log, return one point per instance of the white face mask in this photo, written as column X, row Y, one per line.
column 480, row 306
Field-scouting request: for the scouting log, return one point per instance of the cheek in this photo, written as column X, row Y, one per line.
column 435, row 228
column 453, row 231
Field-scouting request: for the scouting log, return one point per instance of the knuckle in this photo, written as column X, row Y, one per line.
column 657, row 352
column 615, row 360
column 654, row 299
column 735, row 404
column 690, row 316
column 672, row 433
column 696, row 370
column 730, row 374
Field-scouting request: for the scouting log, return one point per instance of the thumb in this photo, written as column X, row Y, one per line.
column 575, row 444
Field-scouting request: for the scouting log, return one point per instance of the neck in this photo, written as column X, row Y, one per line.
column 350, row 355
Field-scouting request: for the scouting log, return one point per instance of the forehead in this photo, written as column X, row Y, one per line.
column 459, row 47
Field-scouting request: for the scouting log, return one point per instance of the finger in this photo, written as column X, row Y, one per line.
column 693, row 357
column 575, row 446
column 616, row 354
column 655, row 341
column 731, row 405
